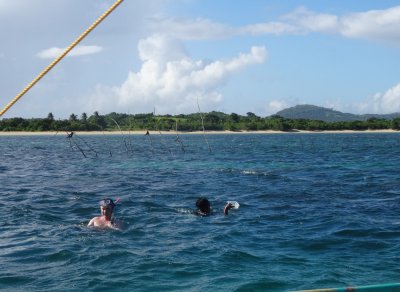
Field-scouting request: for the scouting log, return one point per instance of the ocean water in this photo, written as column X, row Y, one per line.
column 316, row 210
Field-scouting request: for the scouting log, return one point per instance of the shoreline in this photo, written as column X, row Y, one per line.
column 87, row 133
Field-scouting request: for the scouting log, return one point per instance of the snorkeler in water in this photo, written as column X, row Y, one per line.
column 107, row 206
column 204, row 207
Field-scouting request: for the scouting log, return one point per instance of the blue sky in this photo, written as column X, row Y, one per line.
column 231, row 56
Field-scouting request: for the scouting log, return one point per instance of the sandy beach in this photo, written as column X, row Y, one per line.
column 53, row 133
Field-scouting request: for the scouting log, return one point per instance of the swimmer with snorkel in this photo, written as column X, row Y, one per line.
column 107, row 206
column 204, row 208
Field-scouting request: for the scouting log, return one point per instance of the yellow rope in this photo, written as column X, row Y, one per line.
column 58, row 59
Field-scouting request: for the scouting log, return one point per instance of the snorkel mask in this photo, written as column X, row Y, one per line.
column 107, row 203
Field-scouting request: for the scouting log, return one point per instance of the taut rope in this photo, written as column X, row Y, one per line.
column 58, row 59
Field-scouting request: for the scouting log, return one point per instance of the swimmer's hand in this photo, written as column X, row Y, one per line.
column 228, row 207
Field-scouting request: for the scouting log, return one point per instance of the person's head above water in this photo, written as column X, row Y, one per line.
column 107, row 203
column 107, row 207
column 203, row 206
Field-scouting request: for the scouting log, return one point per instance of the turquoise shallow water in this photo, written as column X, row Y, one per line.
column 316, row 210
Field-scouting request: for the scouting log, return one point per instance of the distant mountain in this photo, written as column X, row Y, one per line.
column 313, row 112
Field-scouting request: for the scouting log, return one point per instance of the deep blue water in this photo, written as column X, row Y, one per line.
column 316, row 210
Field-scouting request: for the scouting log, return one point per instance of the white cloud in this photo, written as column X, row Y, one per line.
column 374, row 24
column 191, row 29
column 170, row 81
column 160, row 49
column 205, row 29
column 308, row 20
column 379, row 103
column 274, row 28
column 275, row 106
column 382, row 103
column 77, row 51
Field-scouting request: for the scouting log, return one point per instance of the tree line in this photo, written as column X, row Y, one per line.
column 213, row 121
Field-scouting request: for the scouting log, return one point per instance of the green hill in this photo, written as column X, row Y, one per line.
column 313, row 112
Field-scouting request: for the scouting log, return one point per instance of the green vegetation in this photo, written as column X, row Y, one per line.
column 306, row 111
column 213, row 121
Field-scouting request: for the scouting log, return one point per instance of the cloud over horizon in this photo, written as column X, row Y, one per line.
column 172, row 82
column 387, row 102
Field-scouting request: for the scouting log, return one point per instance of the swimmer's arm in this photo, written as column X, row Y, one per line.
column 227, row 208
column 91, row 222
